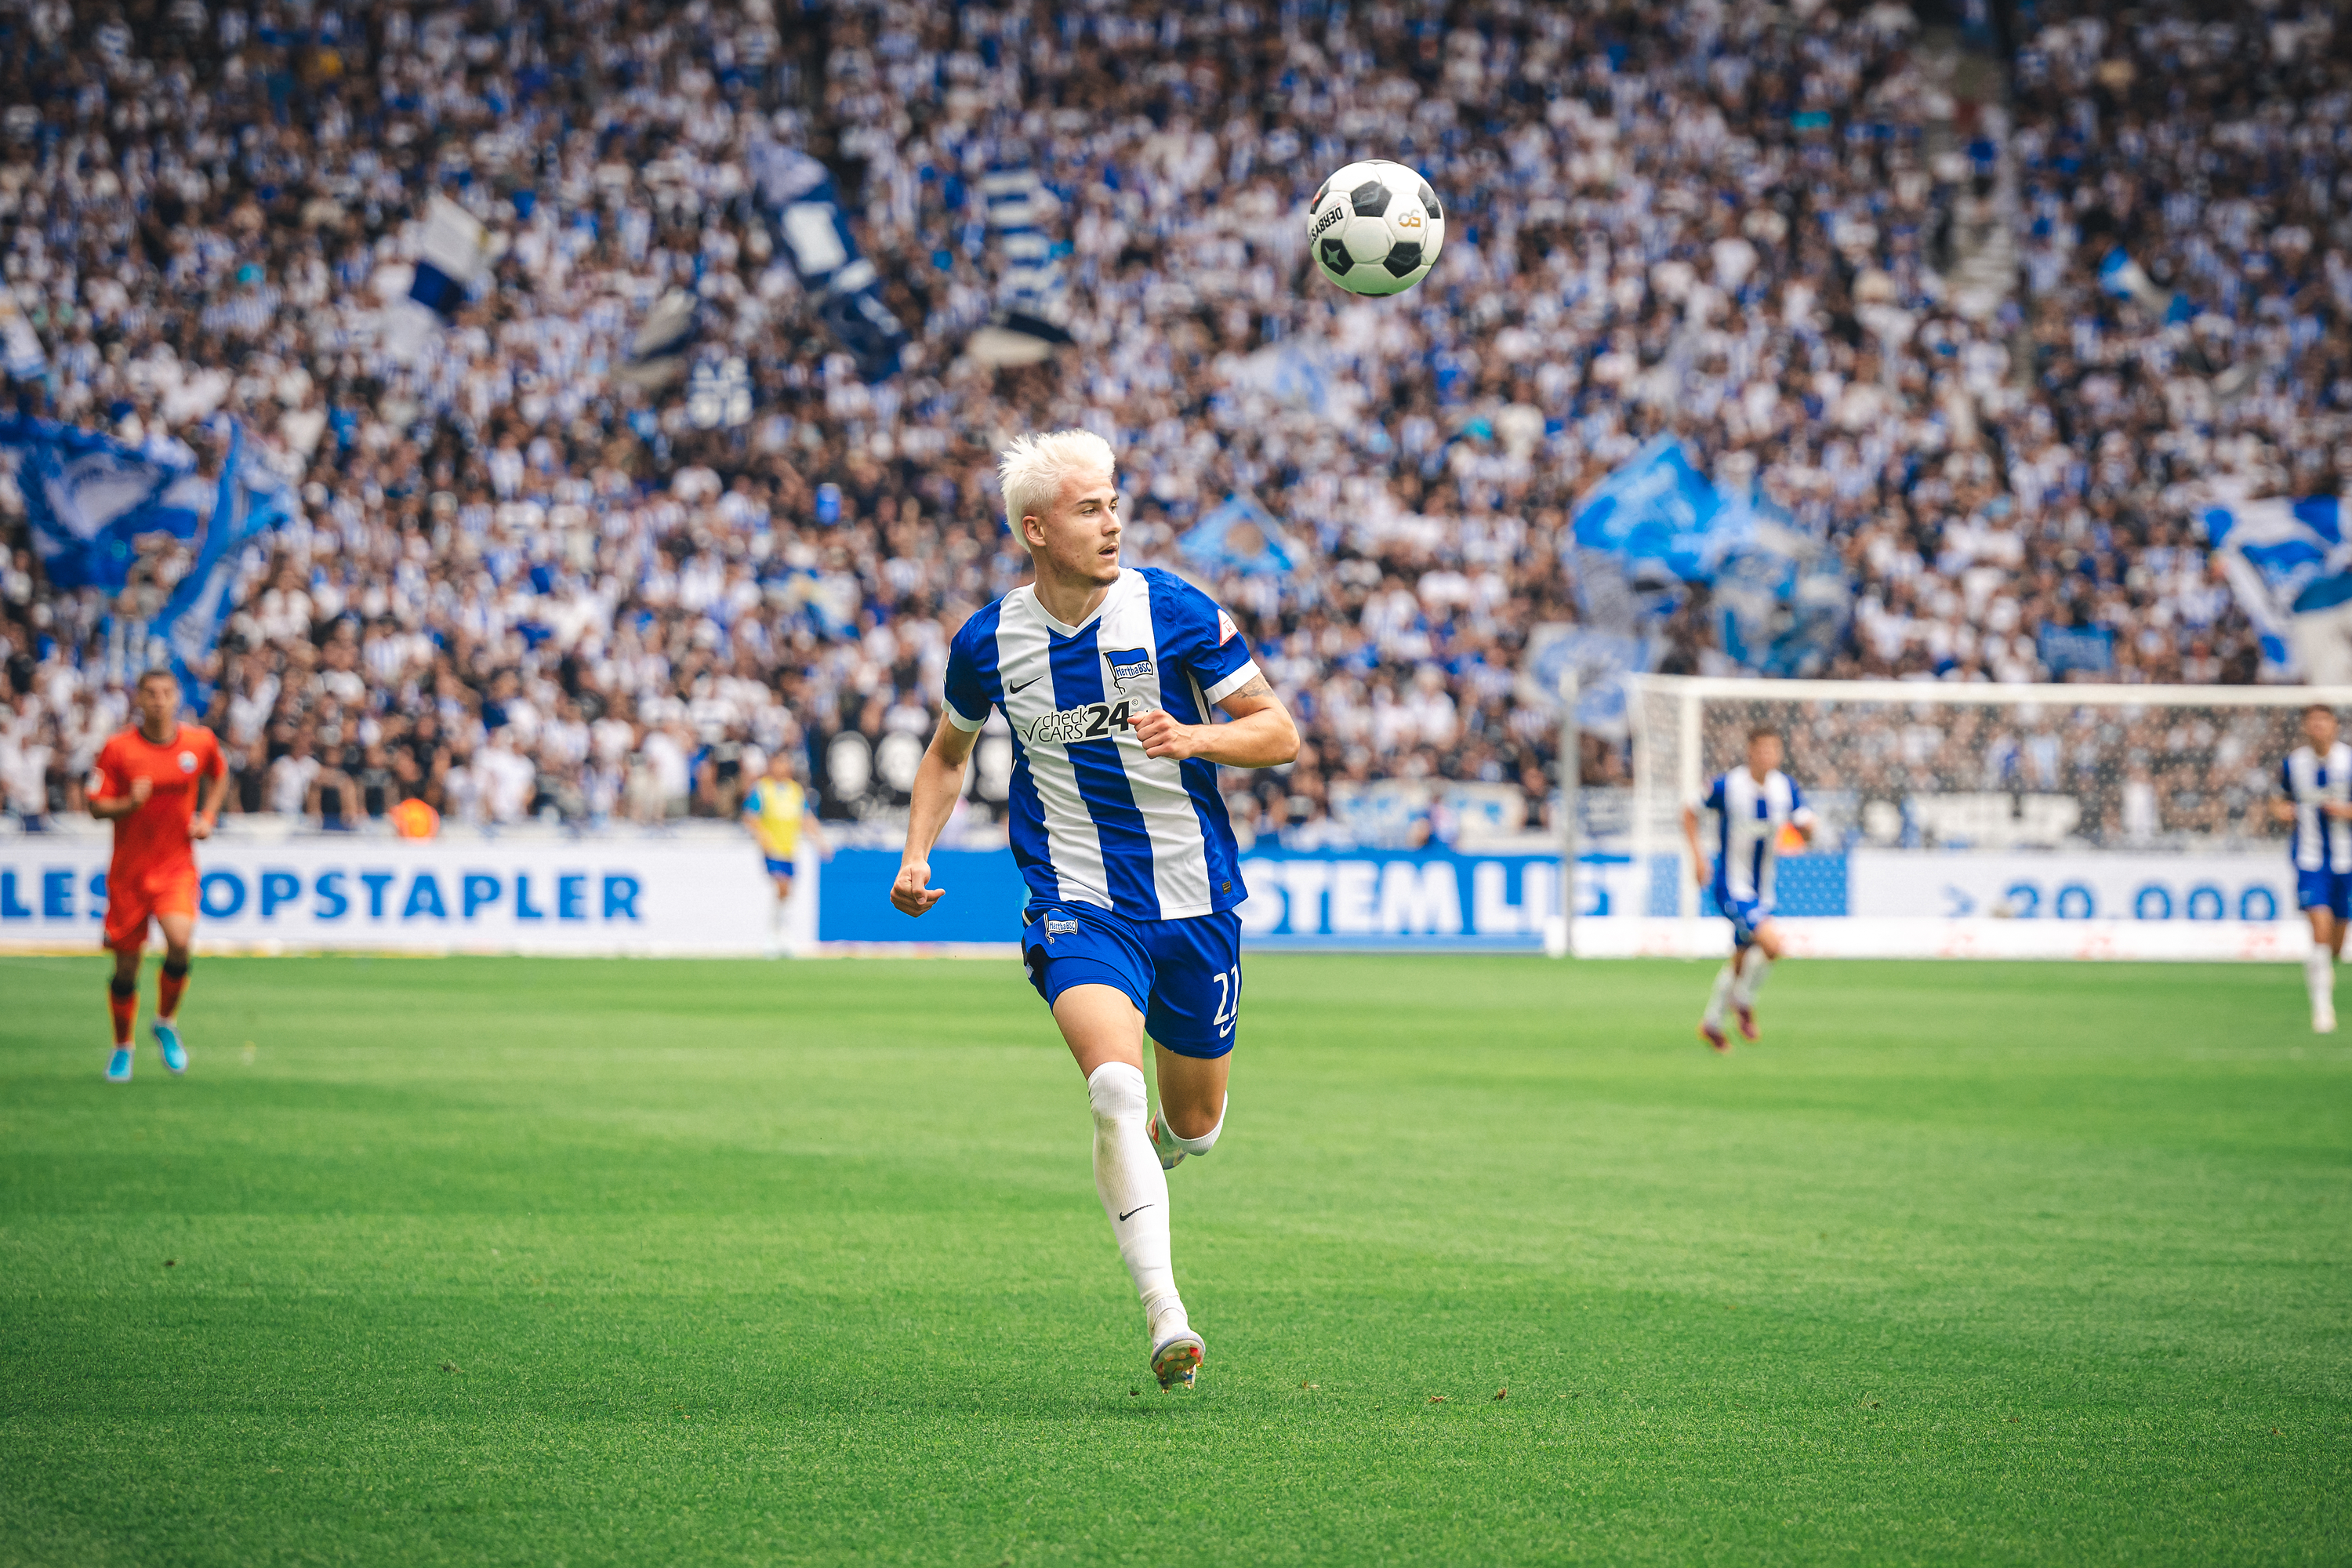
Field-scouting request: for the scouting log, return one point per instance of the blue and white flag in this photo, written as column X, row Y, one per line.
column 449, row 257
column 1601, row 661
column 1640, row 534
column 451, row 254
column 2282, row 559
column 1782, row 597
column 89, row 496
column 1030, row 289
column 21, row 355
column 249, row 499
column 1239, row 536
column 2123, row 277
column 1659, row 510
column 798, row 196
column 1297, row 371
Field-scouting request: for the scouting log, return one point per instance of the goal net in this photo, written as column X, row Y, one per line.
column 2026, row 821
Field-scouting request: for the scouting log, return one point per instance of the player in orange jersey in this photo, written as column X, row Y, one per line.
column 146, row 784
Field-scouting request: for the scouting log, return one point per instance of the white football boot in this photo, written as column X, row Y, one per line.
column 1176, row 1352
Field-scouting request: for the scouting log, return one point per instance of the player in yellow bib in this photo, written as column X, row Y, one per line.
column 777, row 812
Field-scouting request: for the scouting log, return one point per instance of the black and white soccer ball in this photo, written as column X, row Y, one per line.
column 1375, row 227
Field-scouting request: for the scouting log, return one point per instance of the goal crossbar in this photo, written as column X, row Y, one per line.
column 1992, row 694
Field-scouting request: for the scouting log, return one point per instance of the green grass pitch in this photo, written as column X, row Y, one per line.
column 574, row 1262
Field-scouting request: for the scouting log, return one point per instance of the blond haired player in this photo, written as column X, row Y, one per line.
column 1107, row 676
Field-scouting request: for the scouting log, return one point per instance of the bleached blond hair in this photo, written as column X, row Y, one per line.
column 1032, row 467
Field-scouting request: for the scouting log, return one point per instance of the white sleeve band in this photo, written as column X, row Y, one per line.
column 958, row 720
column 1232, row 683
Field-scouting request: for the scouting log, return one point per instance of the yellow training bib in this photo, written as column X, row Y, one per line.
column 776, row 811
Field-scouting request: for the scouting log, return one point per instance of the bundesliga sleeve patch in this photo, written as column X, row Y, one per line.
column 1225, row 628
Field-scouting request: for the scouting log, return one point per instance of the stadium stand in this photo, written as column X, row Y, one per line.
column 1827, row 246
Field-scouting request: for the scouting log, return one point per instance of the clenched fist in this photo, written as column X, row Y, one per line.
column 1162, row 736
column 910, row 895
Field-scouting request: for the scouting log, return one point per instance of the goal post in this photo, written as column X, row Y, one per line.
column 1978, row 819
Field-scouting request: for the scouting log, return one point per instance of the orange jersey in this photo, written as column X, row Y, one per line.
column 154, row 839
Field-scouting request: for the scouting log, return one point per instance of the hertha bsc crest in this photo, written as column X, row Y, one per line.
column 1129, row 667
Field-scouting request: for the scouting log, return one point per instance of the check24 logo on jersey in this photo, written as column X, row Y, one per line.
column 1089, row 721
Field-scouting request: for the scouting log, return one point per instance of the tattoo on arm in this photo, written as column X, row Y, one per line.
column 1258, row 686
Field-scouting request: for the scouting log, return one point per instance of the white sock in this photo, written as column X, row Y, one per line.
column 1724, row 980
column 1132, row 1186
column 2319, row 977
column 1751, row 979
column 1192, row 1146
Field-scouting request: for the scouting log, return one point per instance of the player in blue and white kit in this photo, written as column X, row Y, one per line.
column 1106, row 676
column 2315, row 780
column 1752, row 806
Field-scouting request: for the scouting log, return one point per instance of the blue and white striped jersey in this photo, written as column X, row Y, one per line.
column 1095, row 820
column 1749, row 817
column 2321, row 843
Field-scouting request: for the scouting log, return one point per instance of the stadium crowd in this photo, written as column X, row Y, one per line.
column 523, row 584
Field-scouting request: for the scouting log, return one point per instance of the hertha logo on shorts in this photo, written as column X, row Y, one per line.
column 1129, row 667
column 1060, row 928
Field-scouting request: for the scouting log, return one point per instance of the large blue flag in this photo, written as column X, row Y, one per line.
column 1657, row 509
column 249, row 501
column 1238, row 536
column 1781, row 596
column 89, row 496
column 2282, row 559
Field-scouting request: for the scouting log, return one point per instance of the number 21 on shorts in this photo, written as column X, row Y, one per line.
column 1229, row 998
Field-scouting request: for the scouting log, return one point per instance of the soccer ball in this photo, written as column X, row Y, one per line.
column 1375, row 227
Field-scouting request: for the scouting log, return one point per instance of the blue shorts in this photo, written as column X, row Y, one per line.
column 779, row 868
column 1745, row 914
column 2325, row 889
column 1184, row 976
